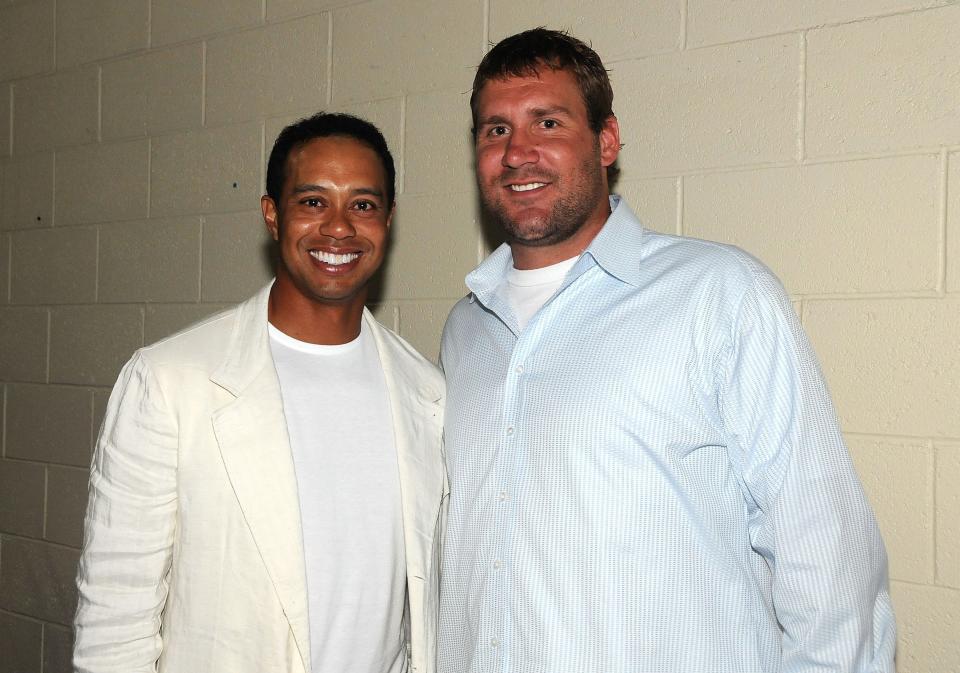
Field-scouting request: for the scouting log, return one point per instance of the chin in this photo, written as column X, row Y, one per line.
column 531, row 233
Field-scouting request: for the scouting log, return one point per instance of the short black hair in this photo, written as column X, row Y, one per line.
column 526, row 54
column 325, row 125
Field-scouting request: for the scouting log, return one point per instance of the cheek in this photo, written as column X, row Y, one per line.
column 295, row 228
column 560, row 155
column 376, row 233
column 488, row 163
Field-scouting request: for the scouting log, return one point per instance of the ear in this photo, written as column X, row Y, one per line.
column 270, row 216
column 609, row 141
column 393, row 209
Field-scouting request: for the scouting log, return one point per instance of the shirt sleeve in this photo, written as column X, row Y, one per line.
column 808, row 515
column 129, row 529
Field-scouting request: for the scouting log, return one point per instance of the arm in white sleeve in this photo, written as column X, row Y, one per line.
column 128, row 530
column 808, row 514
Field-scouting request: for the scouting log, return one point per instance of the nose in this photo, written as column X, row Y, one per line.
column 337, row 226
column 520, row 149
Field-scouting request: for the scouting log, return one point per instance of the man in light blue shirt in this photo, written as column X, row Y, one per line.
column 647, row 474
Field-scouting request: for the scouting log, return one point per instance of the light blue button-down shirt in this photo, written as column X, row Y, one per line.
column 650, row 477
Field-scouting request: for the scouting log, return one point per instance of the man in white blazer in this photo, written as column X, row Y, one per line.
column 267, row 491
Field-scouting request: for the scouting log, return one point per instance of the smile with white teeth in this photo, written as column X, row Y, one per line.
column 333, row 259
column 527, row 187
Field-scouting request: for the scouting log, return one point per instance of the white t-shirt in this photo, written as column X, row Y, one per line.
column 338, row 418
column 526, row 290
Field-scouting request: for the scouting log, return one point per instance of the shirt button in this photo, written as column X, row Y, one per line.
column 519, row 369
column 502, row 496
column 496, row 565
column 494, row 642
column 509, row 429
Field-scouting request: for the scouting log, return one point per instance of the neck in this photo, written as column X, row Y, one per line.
column 312, row 321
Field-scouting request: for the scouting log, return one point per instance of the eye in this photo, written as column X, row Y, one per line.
column 499, row 130
column 365, row 206
column 550, row 123
column 312, row 202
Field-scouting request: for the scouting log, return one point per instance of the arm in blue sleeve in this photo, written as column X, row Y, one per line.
column 809, row 517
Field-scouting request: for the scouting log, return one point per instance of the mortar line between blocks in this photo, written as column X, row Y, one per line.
column 46, row 374
column 680, row 199
column 48, row 543
column 149, row 175
column 802, row 100
column 203, row 84
column 99, row 103
column 9, row 252
column 822, row 26
column 92, row 434
column 481, row 245
column 866, row 296
column 3, row 428
column 899, row 437
column 673, row 171
column 203, row 231
column 53, row 187
column 485, row 29
column 10, row 110
column 944, row 214
column 329, row 73
column 265, row 150
column 684, row 17
column 55, row 26
column 96, row 267
column 46, row 495
column 43, row 644
column 403, row 145
column 935, row 451
column 26, row 618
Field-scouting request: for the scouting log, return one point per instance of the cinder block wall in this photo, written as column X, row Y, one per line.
column 822, row 136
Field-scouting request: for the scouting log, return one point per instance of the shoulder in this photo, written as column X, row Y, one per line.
column 462, row 313
column 717, row 270
column 709, row 258
column 172, row 364
column 198, row 345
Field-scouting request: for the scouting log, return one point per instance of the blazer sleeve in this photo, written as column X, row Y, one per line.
column 129, row 529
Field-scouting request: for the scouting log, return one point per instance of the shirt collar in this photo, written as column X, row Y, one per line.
column 615, row 249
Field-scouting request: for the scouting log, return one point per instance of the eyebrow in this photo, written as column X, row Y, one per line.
column 548, row 111
column 493, row 119
column 533, row 112
column 303, row 189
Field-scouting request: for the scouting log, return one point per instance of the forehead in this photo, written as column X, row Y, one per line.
column 545, row 89
column 334, row 158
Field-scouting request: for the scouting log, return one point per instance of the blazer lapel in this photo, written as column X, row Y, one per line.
column 415, row 405
column 252, row 434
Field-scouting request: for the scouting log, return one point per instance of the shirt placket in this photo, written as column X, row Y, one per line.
column 509, row 456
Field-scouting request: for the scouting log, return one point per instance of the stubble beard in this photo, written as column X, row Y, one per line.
column 567, row 216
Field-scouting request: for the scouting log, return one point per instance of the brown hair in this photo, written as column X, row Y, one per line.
column 526, row 53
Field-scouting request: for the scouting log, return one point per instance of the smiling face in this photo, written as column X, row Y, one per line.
column 331, row 224
column 541, row 170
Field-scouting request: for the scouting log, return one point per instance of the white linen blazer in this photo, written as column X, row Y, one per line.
column 193, row 555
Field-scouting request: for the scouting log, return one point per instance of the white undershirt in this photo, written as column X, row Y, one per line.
column 341, row 435
column 526, row 290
